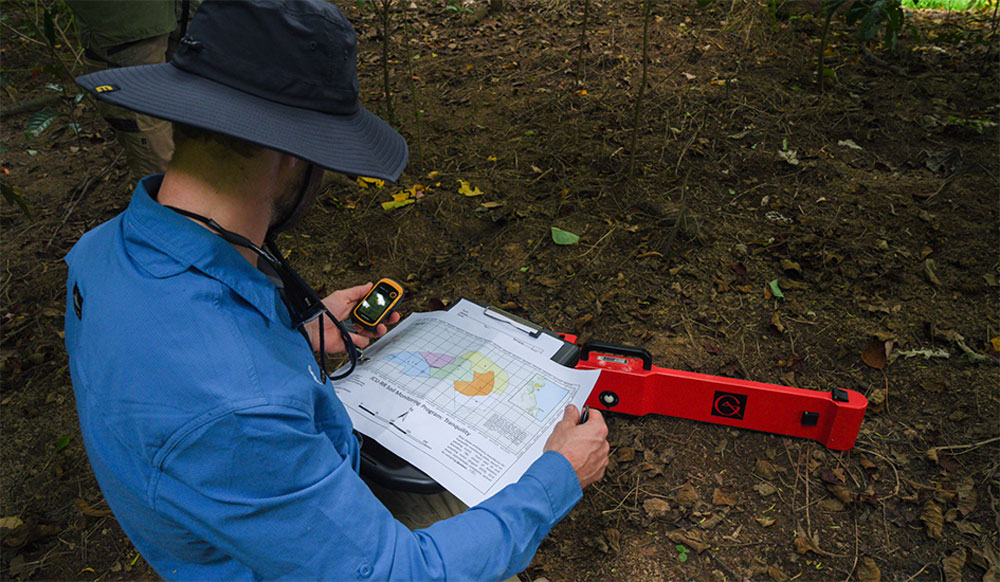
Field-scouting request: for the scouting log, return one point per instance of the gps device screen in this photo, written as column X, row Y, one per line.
column 378, row 303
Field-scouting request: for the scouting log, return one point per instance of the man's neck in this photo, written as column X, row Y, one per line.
column 241, row 206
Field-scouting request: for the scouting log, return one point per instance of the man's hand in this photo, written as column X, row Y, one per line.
column 584, row 445
column 340, row 303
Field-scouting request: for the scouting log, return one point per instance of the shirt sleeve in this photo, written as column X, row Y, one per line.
column 262, row 484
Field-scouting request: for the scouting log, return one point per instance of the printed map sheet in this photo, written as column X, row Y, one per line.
column 467, row 398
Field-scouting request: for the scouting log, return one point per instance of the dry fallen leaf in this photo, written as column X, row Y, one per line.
column 696, row 540
column 614, row 538
column 655, row 507
column 720, row 497
column 625, row 454
column 465, row 189
column 929, row 268
column 969, row 528
column 875, row 354
column 367, row 182
column 868, row 571
column 765, row 489
column 765, row 521
column 933, row 518
column 775, row 573
column 687, row 495
column 953, row 564
column 967, row 496
column 831, row 504
column 767, row 469
column 842, row 493
column 804, row 545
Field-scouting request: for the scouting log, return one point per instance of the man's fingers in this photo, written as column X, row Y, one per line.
column 571, row 414
column 360, row 340
column 595, row 416
column 357, row 292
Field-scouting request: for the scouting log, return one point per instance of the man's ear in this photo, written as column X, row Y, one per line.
column 295, row 162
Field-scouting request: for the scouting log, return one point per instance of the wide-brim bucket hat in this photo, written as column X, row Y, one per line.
column 278, row 74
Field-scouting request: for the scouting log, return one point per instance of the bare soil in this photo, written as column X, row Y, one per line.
column 872, row 207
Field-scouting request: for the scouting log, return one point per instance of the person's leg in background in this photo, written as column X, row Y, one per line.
column 148, row 142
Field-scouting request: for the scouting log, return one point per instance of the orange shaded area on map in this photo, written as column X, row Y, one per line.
column 480, row 385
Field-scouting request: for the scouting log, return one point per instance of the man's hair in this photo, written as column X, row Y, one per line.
column 188, row 134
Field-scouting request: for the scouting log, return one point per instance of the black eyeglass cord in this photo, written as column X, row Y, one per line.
column 303, row 303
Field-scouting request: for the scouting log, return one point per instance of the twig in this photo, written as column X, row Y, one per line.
column 583, row 42
column 21, row 34
column 84, row 186
column 856, row 542
column 970, row 446
column 809, row 531
column 598, row 243
column 724, row 566
column 894, row 471
column 646, row 9
column 920, row 571
column 680, row 216
column 944, row 185
column 868, row 54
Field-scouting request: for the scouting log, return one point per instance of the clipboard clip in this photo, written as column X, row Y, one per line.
column 518, row 323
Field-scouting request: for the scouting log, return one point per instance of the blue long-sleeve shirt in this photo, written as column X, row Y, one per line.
column 217, row 448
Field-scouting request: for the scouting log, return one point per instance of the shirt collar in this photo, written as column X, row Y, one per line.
column 166, row 243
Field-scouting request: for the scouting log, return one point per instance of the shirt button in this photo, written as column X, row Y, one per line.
column 364, row 570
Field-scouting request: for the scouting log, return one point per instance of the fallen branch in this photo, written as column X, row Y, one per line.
column 32, row 105
column 870, row 56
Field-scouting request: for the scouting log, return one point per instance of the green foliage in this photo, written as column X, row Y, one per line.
column 39, row 122
column 871, row 16
column 682, row 552
column 13, row 196
column 456, row 7
column 49, row 23
column 564, row 237
column 62, row 443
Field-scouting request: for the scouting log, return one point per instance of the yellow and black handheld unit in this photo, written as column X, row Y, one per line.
column 377, row 305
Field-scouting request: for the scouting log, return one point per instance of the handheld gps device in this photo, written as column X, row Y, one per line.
column 378, row 304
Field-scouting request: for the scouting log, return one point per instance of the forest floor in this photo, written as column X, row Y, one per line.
column 754, row 228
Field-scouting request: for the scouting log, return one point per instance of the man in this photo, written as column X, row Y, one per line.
column 221, row 448
column 133, row 32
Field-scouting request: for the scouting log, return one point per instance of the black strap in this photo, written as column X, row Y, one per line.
column 185, row 13
column 303, row 303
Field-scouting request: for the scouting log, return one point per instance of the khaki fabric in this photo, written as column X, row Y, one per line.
column 148, row 142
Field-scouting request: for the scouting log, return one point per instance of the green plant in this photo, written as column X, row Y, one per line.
column 870, row 17
column 41, row 121
column 682, row 553
column 12, row 194
column 456, row 7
